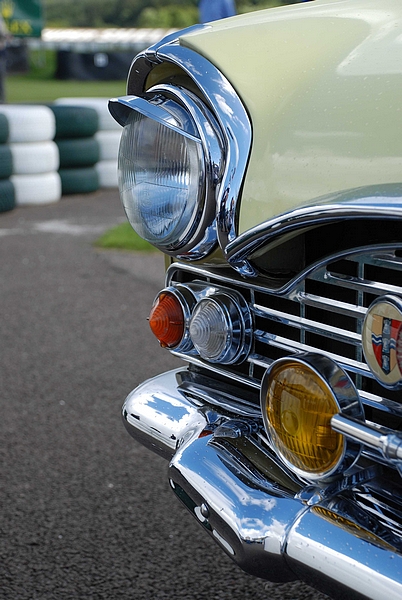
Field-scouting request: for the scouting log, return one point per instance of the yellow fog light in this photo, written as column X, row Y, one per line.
column 299, row 397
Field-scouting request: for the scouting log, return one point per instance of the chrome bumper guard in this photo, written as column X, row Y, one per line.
column 259, row 517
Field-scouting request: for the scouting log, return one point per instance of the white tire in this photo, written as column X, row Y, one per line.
column 106, row 121
column 34, row 157
column 107, row 173
column 44, row 188
column 28, row 123
column 109, row 142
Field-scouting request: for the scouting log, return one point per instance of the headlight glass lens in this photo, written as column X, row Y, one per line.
column 161, row 175
column 299, row 407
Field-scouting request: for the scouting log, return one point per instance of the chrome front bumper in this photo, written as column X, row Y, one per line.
column 255, row 511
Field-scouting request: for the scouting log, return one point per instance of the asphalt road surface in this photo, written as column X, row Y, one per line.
column 86, row 512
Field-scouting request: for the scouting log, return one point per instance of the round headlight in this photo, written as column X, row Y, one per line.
column 299, row 398
column 169, row 167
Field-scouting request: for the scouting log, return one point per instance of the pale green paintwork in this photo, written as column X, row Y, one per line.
column 322, row 82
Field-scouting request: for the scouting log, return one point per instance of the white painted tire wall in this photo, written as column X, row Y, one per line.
column 41, row 188
column 34, row 157
column 29, row 123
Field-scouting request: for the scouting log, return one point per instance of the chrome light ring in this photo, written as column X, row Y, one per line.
column 232, row 117
column 344, row 397
column 236, row 320
column 185, row 114
column 186, row 300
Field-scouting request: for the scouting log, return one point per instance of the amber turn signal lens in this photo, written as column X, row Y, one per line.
column 299, row 407
column 167, row 320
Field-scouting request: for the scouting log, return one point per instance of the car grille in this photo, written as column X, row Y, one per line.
column 323, row 312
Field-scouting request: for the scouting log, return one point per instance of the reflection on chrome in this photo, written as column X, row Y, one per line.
column 264, row 528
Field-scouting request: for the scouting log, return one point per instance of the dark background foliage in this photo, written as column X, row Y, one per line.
column 134, row 13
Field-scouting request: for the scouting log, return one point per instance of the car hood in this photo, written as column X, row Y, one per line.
column 322, row 83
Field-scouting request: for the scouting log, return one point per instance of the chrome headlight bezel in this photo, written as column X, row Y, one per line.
column 185, row 114
column 233, row 121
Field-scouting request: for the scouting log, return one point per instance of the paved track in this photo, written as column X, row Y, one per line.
column 86, row 512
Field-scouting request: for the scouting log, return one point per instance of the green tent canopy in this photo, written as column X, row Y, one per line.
column 24, row 18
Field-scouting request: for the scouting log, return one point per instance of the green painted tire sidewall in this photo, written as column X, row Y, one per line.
column 7, row 195
column 79, row 181
column 75, row 121
column 4, row 128
column 78, row 152
column 6, row 161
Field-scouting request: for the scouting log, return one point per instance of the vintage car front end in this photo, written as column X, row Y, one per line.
column 262, row 155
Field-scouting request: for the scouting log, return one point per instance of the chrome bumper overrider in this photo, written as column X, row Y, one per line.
column 260, row 516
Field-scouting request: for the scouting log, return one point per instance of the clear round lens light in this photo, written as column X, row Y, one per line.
column 161, row 175
column 210, row 330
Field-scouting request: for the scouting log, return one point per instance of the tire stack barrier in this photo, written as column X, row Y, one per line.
column 34, row 155
column 78, row 149
column 7, row 192
column 107, row 136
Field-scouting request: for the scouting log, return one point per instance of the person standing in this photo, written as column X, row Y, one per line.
column 212, row 10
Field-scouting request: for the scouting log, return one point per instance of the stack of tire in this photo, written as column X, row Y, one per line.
column 31, row 155
column 78, row 149
column 7, row 194
column 107, row 136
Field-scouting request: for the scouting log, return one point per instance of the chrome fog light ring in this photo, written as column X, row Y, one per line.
column 299, row 396
column 170, row 167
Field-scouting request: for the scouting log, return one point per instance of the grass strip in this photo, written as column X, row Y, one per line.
column 123, row 237
column 23, row 88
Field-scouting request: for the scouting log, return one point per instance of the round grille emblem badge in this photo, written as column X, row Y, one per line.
column 382, row 340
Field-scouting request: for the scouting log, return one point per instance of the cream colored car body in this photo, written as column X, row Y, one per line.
column 322, row 82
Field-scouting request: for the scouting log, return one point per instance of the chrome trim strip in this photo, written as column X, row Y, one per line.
column 383, row 404
column 387, row 262
column 360, row 203
column 293, row 347
column 219, row 370
column 355, row 283
column 308, row 325
column 350, row 310
column 236, row 128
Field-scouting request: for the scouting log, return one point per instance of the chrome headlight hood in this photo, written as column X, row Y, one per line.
column 219, row 125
